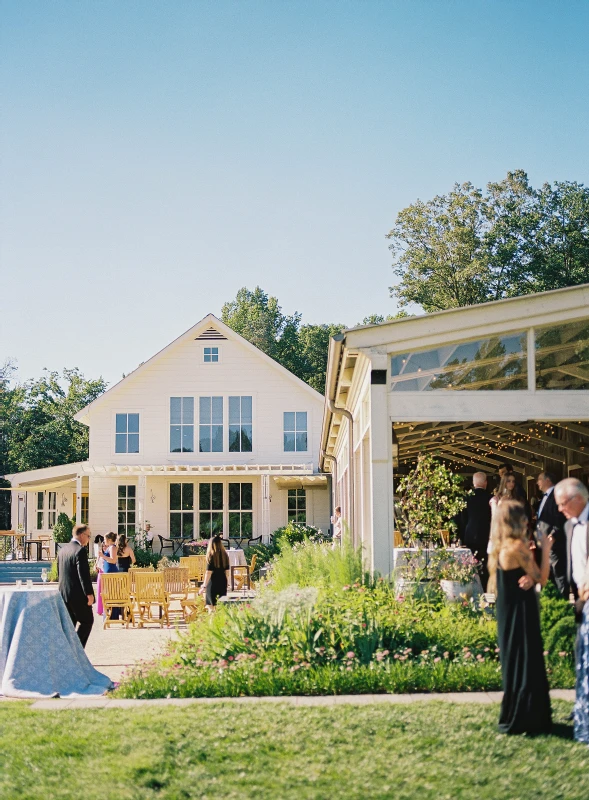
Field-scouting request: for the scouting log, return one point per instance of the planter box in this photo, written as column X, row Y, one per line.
column 456, row 591
column 405, row 587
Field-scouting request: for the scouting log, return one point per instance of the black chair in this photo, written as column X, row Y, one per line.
column 225, row 542
column 169, row 543
column 254, row 541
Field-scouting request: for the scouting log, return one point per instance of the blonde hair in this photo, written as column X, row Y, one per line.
column 509, row 523
column 503, row 493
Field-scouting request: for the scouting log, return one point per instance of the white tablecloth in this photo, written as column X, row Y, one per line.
column 236, row 558
column 40, row 653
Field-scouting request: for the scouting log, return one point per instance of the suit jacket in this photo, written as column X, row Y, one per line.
column 568, row 529
column 551, row 515
column 73, row 569
column 475, row 522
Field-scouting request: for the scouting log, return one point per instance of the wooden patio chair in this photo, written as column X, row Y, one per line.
column 133, row 571
column 239, row 578
column 252, row 568
column 149, row 591
column 196, row 566
column 115, row 588
column 178, row 587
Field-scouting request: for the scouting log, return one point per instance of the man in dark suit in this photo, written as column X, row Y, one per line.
column 552, row 521
column 475, row 523
column 75, row 584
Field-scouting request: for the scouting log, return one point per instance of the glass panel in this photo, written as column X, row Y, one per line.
column 133, row 423
column 234, row 526
column 247, row 525
column 301, row 420
column 122, row 504
column 130, row 518
column 204, row 414
column 188, row 526
column 187, row 438
column 204, row 496
column 40, row 500
column 121, row 423
column 246, row 495
column 562, row 356
column 122, row 491
column 122, row 529
column 39, row 520
column 175, row 410
column 215, row 355
column 122, row 517
column 292, row 503
column 301, row 442
column 188, row 410
column 289, row 420
column 204, row 525
column 234, row 410
column 217, row 496
column 133, row 443
column 289, row 442
column 52, row 499
column 217, row 432
column 217, row 414
column 204, row 439
column 487, row 364
column 131, row 491
column 121, row 443
column 246, row 439
column 234, row 438
column 175, row 439
column 216, row 522
column 131, row 504
column 175, row 495
column 175, row 525
column 246, row 410
column 187, row 496
column 234, row 496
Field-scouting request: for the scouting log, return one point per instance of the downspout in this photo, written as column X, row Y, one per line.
column 333, row 459
column 345, row 413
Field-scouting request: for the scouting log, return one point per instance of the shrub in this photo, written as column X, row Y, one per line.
column 146, row 558
column 314, row 564
column 62, row 530
column 296, row 533
column 264, row 553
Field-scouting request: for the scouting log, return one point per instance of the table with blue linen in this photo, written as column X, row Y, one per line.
column 40, row 653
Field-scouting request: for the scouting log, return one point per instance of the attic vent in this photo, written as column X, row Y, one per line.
column 209, row 334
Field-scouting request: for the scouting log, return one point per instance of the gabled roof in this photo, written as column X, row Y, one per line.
column 203, row 330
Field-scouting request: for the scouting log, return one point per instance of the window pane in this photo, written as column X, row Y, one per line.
column 292, row 503
column 131, row 504
column 122, row 529
column 188, row 526
column 217, row 433
column 246, row 495
column 234, row 496
column 187, row 438
column 234, row 439
column 246, row 439
column 131, row 491
column 122, row 491
column 215, row 356
column 487, row 364
column 175, row 495
column 121, row 423
column 301, row 442
column 133, row 443
column 289, row 420
column 39, row 520
column 217, row 498
column 188, row 496
column 204, row 439
column 216, row 522
column 175, row 439
column 133, row 423
column 562, row 356
column 175, row 525
column 247, row 525
column 234, row 410
column 204, row 414
column 204, row 496
column 122, row 517
column 175, row 410
column 246, row 410
column 301, row 420
column 289, row 442
column 234, row 526
column 121, row 443
column 122, row 504
column 188, row 410
column 130, row 518
column 204, row 525
column 40, row 500
column 217, row 414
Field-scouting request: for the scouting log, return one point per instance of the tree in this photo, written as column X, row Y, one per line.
column 314, row 347
column 471, row 246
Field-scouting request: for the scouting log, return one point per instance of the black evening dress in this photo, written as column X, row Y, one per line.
column 526, row 699
column 124, row 563
column 217, row 586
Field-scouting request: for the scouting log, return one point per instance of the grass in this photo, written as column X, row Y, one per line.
column 424, row 750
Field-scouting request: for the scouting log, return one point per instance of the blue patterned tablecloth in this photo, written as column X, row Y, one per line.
column 40, row 653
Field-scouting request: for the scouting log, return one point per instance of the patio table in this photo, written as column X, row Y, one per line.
column 236, row 558
column 40, row 653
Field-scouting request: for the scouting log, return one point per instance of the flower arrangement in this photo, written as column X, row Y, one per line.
column 198, row 543
column 431, row 496
column 458, row 567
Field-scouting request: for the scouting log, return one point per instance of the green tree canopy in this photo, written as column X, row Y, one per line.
column 471, row 246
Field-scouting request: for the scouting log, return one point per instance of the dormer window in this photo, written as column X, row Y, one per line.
column 211, row 355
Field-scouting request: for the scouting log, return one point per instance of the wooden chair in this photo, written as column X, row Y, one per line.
column 178, row 587
column 133, row 572
column 252, row 568
column 196, row 566
column 45, row 540
column 115, row 588
column 239, row 578
column 150, row 590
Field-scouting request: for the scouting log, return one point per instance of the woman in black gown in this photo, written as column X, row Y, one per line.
column 217, row 573
column 526, row 700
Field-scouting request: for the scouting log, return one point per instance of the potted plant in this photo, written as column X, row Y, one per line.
column 62, row 530
column 457, row 573
column 413, row 576
column 429, row 498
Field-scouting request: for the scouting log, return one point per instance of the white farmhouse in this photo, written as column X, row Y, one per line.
column 209, row 435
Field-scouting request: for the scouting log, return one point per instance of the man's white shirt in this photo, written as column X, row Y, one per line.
column 544, row 499
column 579, row 547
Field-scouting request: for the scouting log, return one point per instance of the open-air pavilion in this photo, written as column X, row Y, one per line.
column 476, row 386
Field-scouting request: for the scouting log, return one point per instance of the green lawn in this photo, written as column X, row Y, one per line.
column 425, row 750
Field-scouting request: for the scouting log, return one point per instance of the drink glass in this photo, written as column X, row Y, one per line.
column 18, row 583
column 29, row 583
column 44, row 575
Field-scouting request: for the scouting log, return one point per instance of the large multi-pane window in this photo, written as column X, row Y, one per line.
column 240, row 510
column 51, row 510
column 295, row 431
column 210, row 509
column 297, row 505
column 211, row 355
column 240, row 424
column 181, row 424
column 127, row 500
column 499, row 362
column 562, row 356
column 210, row 429
column 181, row 510
column 40, row 510
column 127, row 433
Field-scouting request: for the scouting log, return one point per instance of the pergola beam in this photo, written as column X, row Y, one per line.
column 539, row 437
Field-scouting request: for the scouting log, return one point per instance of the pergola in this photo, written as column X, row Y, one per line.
column 506, row 381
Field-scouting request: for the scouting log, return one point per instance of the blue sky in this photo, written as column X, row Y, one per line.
column 157, row 156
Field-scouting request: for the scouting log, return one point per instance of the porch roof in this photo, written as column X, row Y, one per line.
column 198, row 469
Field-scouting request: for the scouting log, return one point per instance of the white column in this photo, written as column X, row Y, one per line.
column 141, row 494
column 265, row 507
column 381, row 464
column 78, row 499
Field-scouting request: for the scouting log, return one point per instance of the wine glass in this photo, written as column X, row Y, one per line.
column 44, row 575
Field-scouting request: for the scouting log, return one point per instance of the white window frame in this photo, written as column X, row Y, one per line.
column 297, row 498
column 295, row 431
column 40, row 512
column 182, row 511
column 114, row 424
column 215, row 350
column 211, row 424
column 51, row 510
column 126, row 510
column 181, row 424
column 241, row 423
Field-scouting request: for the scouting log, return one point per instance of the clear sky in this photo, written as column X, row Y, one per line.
column 158, row 155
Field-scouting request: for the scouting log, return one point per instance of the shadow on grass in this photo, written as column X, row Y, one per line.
column 562, row 731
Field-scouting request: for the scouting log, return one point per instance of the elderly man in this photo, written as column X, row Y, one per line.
column 552, row 521
column 75, row 584
column 475, row 523
column 572, row 498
